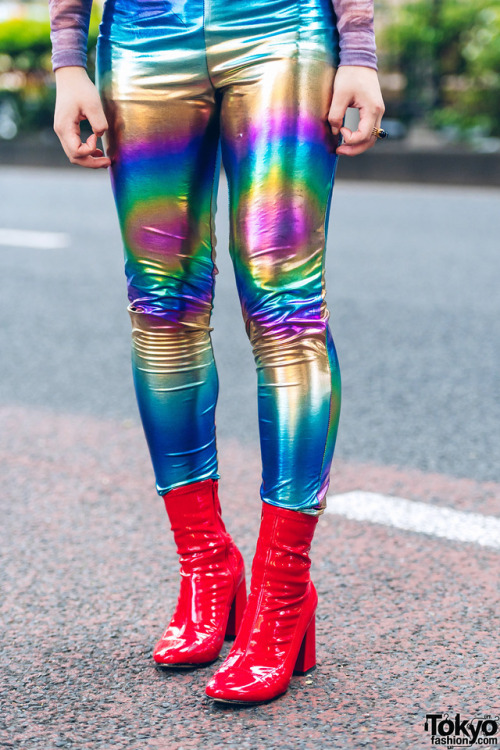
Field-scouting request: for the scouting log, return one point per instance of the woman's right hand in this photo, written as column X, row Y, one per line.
column 77, row 99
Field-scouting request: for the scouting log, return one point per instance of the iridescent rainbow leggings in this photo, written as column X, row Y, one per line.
column 184, row 83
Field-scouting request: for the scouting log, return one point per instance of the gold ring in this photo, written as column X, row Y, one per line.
column 379, row 132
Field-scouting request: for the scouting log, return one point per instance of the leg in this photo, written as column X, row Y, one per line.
column 163, row 142
column 164, row 145
column 279, row 156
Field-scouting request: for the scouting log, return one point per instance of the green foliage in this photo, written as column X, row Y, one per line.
column 32, row 36
column 449, row 52
column 18, row 35
column 481, row 98
column 26, row 78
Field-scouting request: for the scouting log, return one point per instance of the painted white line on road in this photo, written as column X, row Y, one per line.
column 457, row 525
column 34, row 239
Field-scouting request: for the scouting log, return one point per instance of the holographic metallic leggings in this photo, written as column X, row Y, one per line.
column 183, row 83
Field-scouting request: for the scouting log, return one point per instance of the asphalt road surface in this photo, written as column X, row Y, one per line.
column 406, row 558
column 412, row 288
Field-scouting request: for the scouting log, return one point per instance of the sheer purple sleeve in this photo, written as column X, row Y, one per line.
column 69, row 28
column 356, row 32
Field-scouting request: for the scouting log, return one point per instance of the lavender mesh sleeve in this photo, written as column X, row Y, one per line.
column 356, row 32
column 69, row 26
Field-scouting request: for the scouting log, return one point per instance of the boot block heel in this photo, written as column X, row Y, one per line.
column 306, row 658
column 236, row 611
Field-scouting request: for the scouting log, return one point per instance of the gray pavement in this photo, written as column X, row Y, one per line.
column 412, row 286
column 407, row 621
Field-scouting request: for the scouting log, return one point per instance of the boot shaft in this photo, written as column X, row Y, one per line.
column 195, row 519
column 283, row 546
column 277, row 630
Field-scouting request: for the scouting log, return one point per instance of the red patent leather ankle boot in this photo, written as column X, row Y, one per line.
column 212, row 593
column 276, row 636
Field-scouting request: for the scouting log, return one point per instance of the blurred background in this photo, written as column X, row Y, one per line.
column 439, row 63
column 410, row 273
column 439, row 66
column 88, row 570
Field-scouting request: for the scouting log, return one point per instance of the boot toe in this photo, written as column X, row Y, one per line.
column 177, row 650
column 245, row 685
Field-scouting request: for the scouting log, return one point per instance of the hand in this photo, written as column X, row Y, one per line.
column 77, row 99
column 356, row 86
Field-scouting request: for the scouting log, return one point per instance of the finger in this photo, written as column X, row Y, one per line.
column 89, row 149
column 72, row 143
column 346, row 148
column 87, row 154
column 363, row 134
column 97, row 120
column 338, row 108
column 93, row 162
column 98, row 152
column 95, row 159
column 98, row 155
column 353, row 150
column 355, row 143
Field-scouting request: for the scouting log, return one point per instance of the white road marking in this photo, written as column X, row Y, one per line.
column 34, row 239
column 457, row 525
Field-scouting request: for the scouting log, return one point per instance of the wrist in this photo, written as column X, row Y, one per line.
column 358, row 68
column 70, row 71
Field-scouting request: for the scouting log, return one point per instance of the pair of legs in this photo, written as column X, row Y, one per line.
column 184, row 84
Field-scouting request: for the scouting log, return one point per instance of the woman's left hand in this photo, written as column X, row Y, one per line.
column 356, row 86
